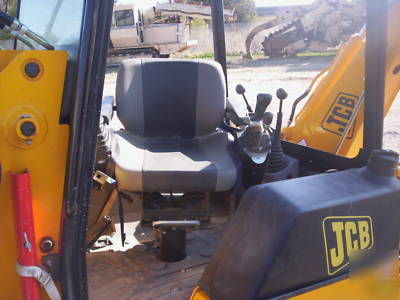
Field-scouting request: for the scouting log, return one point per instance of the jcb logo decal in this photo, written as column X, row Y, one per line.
column 344, row 235
column 339, row 115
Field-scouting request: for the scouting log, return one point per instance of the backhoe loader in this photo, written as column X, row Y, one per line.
column 336, row 123
column 202, row 200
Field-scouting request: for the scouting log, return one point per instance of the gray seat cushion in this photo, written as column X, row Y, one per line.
column 173, row 164
column 171, row 110
column 170, row 97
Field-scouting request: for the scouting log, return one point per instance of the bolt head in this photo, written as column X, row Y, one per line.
column 28, row 128
column 46, row 245
column 32, row 69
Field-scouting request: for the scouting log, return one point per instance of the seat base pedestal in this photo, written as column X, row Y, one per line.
column 172, row 243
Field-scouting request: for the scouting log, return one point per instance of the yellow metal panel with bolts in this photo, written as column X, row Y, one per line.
column 36, row 99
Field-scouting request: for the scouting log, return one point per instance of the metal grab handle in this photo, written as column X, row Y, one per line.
column 176, row 224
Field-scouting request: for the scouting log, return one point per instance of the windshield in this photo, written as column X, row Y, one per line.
column 59, row 22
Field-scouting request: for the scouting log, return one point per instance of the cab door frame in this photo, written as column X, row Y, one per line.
column 84, row 122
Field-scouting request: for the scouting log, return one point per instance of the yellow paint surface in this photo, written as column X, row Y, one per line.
column 346, row 75
column 39, row 99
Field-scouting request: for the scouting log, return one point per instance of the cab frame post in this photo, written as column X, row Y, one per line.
column 217, row 13
column 375, row 72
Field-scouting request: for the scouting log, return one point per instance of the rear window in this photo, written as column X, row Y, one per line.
column 124, row 18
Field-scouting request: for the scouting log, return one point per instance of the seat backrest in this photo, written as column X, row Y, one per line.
column 167, row 97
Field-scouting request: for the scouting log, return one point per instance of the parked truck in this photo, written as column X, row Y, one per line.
column 156, row 29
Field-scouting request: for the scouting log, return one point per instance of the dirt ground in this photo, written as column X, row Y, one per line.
column 264, row 75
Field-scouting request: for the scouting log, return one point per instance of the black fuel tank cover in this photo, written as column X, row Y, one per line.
column 292, row 234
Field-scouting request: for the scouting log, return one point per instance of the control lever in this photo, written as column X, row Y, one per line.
column 241, row 91
column 282, row 95
column 268, row 118
column 267, row 121
column 263, row 101
column 280, row 166
column 255, row 141
column 277, row 161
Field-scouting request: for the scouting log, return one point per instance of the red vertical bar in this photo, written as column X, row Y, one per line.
column 24, row 225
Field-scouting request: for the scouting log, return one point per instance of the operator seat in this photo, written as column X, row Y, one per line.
column 171, row 110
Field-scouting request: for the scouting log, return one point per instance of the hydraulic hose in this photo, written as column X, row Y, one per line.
column 25, row 231
column 305, row 94
column 6, row 19
column 22, row 29
column 16, row 35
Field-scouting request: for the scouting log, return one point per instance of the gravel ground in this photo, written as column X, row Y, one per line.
column 292, row 74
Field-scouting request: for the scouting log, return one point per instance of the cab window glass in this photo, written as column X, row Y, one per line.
column 124, row 18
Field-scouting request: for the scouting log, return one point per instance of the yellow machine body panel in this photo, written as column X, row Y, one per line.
column 199, row 295
column 376, row 284
column 339, row 290
column 366, row 287
column 44, row 155
column 323, row 119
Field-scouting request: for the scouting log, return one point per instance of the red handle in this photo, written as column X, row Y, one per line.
column 24, row 225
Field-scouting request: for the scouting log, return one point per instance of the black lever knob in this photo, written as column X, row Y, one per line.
column 267, row 118
column 263, row 100
column 241, row 90
column 281, row 94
